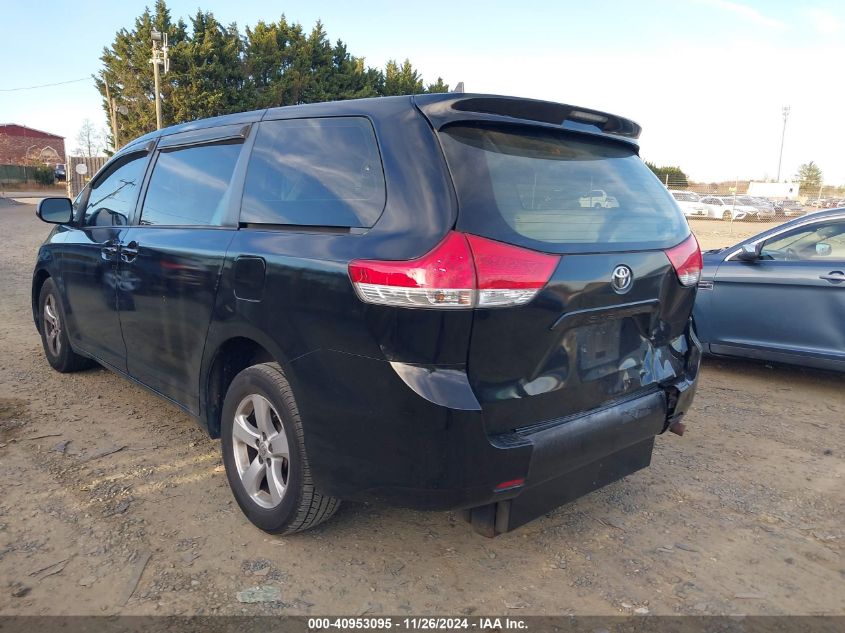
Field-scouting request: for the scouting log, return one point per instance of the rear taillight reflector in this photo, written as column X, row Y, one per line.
column 686, row 259
column 463, row 271
column 513, row 483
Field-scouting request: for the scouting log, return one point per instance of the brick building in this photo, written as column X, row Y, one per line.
column 24, row 145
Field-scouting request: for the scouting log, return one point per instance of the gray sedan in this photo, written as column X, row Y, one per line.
column 778, row 296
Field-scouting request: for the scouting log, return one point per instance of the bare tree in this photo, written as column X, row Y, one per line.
column 89, row 142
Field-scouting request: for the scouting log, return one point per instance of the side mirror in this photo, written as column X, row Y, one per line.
column 55, row 210
column 823, row 249
column 750, row 252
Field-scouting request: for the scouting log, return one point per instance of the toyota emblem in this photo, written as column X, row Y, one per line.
column 622, row 279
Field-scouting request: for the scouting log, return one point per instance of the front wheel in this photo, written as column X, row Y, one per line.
column 264, row 454
column 726, row 216
column 53, row 329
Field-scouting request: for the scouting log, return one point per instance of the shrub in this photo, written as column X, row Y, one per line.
column 44, row 175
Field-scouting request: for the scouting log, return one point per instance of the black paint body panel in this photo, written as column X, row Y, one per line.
column 423, row 408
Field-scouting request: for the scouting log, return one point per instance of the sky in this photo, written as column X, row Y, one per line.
column 706, row 79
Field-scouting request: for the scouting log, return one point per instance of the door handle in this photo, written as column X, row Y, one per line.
column 129, row 252
column 108, row 250
column 835, row 276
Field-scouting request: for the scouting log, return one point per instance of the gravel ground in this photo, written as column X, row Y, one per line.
column 112, row 501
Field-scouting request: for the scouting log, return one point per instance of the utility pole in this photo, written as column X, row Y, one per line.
column 785, row 112
column 113, row 115
column 159, row 59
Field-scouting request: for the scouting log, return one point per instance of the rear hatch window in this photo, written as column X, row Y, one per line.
column 558, row 191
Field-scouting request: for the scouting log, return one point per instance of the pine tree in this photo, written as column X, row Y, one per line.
column 401, row 80
column 127, row 69
column 438, row 86
column 211, row 75
column 214, row 70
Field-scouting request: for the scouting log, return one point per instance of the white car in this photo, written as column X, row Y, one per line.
column 598, row 198
column 726, row 208
column 690, row 204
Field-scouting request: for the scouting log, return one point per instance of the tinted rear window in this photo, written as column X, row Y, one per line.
column 558, row 191
column 317, row 172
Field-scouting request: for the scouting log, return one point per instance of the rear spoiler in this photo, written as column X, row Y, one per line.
column 445, row 108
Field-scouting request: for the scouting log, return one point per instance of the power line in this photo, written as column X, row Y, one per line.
column 58, row 83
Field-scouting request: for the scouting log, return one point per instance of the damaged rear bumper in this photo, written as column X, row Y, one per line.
column 572, row 457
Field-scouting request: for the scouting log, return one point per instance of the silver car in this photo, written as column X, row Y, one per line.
column 727, row 208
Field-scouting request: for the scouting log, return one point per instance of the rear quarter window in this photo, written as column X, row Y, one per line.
column 314, row 172
column 558, row 191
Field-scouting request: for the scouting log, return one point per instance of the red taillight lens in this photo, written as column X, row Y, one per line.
column 686, row 258
column 463, row 271
column 508, row 275
column 442, row 278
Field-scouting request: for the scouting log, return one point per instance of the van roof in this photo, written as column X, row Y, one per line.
column 439, row 108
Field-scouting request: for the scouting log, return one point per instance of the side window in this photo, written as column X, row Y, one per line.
column 112, row 198
column 79, row 203
column 190, row 185
column 817, row 242
column 315, row 172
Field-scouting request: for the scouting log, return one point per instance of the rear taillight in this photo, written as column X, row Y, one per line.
column 686, row 258
column 463, row 271
column 508, row 275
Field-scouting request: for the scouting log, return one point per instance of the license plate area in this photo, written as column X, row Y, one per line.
column 598, row 345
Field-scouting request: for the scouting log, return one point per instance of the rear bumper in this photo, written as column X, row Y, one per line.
column 579, row 456
column 374, row 437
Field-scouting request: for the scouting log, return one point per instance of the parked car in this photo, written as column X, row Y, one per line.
column 764, row 211
column 690, row 203
column 725, row 208
column 777, row 205
column 398, row 299
column 792, row 208
column 598, row 198
column 778, row 296
column 60, row 172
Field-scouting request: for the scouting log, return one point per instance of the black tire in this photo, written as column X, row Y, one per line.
column 302, row 506
column 53, row 328
column 726, row 216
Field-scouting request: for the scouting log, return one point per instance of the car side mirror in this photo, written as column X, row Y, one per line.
column 823, row 249
column 55, row 210
column 750, row 252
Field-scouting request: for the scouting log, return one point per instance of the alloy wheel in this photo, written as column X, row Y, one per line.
column 261, row 452
column 52, row 326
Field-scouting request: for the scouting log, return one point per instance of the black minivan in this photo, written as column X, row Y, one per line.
column 401, row 299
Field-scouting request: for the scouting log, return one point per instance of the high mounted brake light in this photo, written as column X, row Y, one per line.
column 463, row 271
column 686, row 259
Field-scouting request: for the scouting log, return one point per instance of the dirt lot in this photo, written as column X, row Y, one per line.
column 112, row 501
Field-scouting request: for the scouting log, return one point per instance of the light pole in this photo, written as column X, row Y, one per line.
column 159, row 59
column 785, row 112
